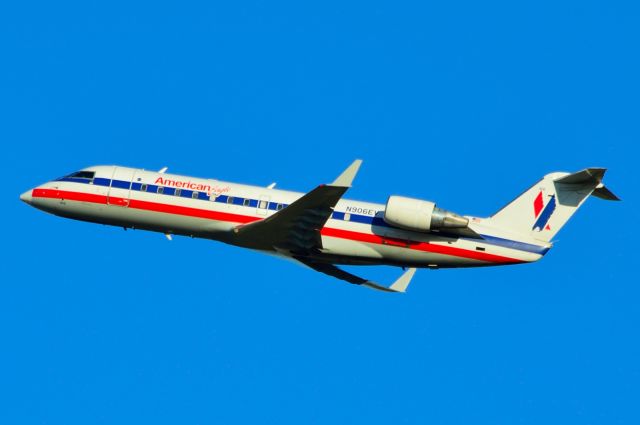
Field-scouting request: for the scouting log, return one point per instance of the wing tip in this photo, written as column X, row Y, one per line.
column 346, row 178
column 403, row 281
column 400, row 285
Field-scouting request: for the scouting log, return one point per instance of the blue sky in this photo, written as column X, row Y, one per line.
column 465, row 104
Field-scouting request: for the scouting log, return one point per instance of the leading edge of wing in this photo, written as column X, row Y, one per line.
column 296, row 228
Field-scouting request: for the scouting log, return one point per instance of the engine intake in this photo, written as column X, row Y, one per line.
column 421, row 216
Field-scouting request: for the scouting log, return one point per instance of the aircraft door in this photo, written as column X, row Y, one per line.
column 120, row 188
column 263, row 205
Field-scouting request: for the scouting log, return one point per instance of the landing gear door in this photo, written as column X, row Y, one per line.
column 120, row 188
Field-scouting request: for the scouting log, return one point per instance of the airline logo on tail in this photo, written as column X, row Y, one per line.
column 543, row 212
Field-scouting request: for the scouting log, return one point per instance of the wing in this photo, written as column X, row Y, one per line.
column 400, row 285
column 296, row 228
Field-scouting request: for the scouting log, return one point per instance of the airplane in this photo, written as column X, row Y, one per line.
column 320, row 229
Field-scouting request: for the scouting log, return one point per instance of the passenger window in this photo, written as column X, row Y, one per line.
column 160, row 190
column 230, row 200
column 194, row 195
column 143, row 187
column 246, row 202
column 178, row 192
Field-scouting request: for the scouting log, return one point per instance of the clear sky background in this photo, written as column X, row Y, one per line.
column 463, row 103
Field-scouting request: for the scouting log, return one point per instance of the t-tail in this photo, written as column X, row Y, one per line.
column 542, row 210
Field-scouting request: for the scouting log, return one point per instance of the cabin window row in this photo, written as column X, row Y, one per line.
column 231, row 200
column 176, row 192
column 89, row 176
column 162, row 190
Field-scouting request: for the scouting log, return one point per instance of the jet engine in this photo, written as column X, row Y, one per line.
column 420, row 216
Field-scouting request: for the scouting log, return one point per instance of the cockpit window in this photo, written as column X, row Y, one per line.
column 83, row 175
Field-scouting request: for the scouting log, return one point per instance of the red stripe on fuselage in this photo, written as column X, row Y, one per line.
column 242, row 219
column 142, row 205
column 191, row 212
column 71, row 196
column 419, row 246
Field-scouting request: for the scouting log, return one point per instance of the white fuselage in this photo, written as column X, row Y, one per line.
column 355, row 234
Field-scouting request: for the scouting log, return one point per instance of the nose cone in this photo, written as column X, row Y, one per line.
column 26, row 197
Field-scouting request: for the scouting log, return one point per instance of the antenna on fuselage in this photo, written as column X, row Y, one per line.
column 163, row 170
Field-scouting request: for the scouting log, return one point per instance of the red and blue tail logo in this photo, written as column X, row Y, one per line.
column 543, row 213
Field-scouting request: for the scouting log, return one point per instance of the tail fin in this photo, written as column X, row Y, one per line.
column 542, row 210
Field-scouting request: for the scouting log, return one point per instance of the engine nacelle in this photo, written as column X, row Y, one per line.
column 420, row 216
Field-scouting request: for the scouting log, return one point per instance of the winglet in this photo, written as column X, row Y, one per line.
column 403, row 282
column 399, row 285
column 346, row 178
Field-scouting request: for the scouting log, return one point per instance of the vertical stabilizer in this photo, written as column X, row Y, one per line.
column 542, row 210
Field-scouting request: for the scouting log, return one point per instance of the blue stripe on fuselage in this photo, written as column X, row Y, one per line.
column 520, row 246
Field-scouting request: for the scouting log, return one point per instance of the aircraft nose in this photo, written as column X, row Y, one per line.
column 26, row 197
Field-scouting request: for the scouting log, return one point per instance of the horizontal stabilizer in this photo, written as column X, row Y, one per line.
column 603, row 193
column 588, row 175
column 592, row 177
